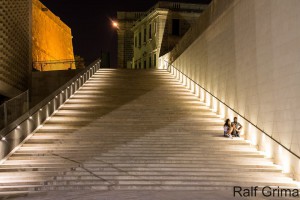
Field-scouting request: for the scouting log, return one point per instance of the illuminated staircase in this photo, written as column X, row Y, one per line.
column 135, row 130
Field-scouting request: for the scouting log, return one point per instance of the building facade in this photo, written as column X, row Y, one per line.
column 52, row 40
column 126, row 21
column 160, row 30
column 15, row 46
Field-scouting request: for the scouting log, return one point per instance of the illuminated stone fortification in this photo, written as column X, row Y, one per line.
column 52, row 39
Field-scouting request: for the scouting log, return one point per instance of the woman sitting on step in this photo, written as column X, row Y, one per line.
column 228, row 129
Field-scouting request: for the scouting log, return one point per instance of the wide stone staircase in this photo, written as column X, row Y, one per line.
column 134, row 130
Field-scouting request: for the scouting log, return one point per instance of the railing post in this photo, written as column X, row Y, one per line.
column 27, row 96
column 5, row 114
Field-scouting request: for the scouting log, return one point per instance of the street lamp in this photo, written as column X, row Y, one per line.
column 115, row 24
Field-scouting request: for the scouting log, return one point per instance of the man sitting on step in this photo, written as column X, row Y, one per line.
column 237, row 127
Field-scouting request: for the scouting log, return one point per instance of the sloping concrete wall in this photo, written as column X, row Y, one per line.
column 249, row 58
column 45, row 83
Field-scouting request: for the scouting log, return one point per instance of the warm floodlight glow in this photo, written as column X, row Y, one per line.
column 18, row 127
column 214, row 105
column 222, row 110
column 202, row 95
column 41, row 109
column 230, row 113
column 184, row 80
column 3, row 138
column 197, row 91
column 115, row 24
column 192, row 87
column 267, row 146
column 30, row 117
column 208, row 100
column 284, row 159
column 252, row 131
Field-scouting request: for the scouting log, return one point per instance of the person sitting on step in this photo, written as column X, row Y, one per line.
column 228, row 129
column 236, row 127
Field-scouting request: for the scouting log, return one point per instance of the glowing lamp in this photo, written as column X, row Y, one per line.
column 115, row 24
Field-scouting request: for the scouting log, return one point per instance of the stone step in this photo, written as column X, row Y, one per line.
column 73, row 137
column 85, row 144
column 195, row 169
column 204, row 135
column 167, row 101
column 133, row 163
column 95, row 155
column 137, row 156
column 28, row 174
column 141, row 159
column 58, row 118
column 101, row 148
column 74, row 175
column 19, row 194
column 130, row 186
column 36, row 169
column 125, row 130
column 40, row 180
column 170, row 182
column 138, row 123
column 144, row 187
column 207, row 174
column 20, row 188
column 173, row 166
column 80, row 112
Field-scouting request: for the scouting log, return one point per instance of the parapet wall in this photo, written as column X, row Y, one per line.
column 248, row 57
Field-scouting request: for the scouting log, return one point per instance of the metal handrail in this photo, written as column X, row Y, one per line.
column 169, row 64
column 39, row 65
column 11, row 100
column 10, row 127
column 55, row 61
column 14, row 97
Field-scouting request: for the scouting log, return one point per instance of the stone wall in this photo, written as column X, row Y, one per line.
column 15, row 46
column 168, row 22
column 52, row 39
column 45, row 83
column 125, row 37
column 247, row 55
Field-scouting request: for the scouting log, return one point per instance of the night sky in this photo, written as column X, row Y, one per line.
column 91, row 25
